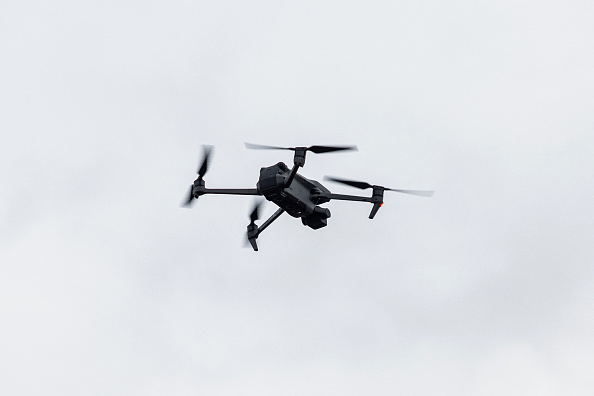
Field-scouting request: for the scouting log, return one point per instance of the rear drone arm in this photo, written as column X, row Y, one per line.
column 299, row 157
column 298, row 162
column 253, row 231
column 198, row 188
column 198, row 191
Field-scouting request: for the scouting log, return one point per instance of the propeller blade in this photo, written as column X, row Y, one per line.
column 352, row 183
column 413, row 192
column 252, row 228
column 255, row 215
column 329, row 149
column 261, row 147
column 204, row 167
column 364, row 185
column 189, row 199
column 313, row 149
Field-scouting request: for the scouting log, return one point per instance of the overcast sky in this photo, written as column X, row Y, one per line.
column 107, row 286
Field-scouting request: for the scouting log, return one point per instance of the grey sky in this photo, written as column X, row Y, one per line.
column 107, row 286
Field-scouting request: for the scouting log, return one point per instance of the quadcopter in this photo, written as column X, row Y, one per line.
column 291, row 192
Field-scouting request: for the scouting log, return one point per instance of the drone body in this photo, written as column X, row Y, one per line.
column 291, row 192
column 299, row 199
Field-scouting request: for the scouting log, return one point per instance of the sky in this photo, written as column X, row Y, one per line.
column 108, row 286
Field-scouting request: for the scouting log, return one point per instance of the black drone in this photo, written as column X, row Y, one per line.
column 293, row 193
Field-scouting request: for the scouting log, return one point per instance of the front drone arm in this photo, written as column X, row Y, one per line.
column 377, row 199
column 342, row 197
column 377, row 196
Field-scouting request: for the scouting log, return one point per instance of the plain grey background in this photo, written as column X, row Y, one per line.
column 107, row 286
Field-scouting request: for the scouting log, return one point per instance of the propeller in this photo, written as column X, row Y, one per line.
column 202, row 168
column 255, row 215
column 364, row 186
column 188, row 202
column 313, row 149
column 252, row 228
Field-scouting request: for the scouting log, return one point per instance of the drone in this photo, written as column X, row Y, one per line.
column 293, row 193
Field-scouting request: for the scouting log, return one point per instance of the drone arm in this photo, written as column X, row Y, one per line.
column 265, row 225
column 298, row 162
column 376, row 199
column 254, row 231
column 342, row 197
column 291, row 176
column 228, row 191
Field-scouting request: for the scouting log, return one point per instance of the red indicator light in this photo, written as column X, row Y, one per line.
column 382, row 204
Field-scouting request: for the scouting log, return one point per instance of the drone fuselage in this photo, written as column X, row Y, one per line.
column 299, row 199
